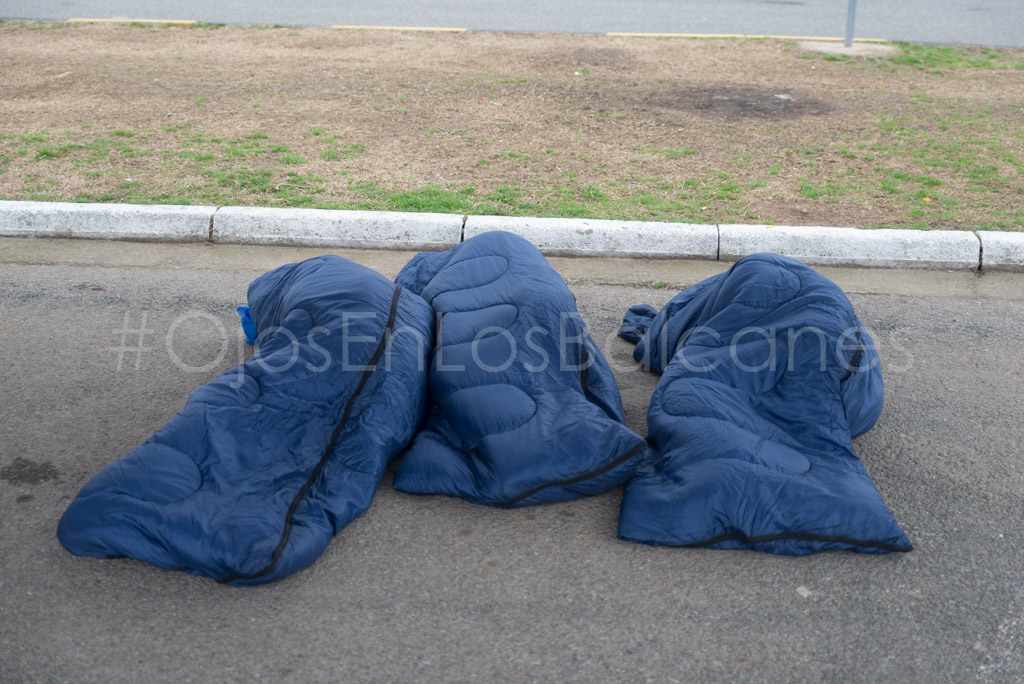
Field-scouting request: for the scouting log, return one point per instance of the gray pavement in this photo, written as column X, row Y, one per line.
column 438, row 589
column 981, row 22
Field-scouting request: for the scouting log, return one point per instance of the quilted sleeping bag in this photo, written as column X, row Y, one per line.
column 250, row 481
column 524, row 408
column 767, row 375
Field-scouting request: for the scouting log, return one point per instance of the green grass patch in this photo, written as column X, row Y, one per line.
column 255, row 180
column 827, row 189
column 939, row 58
column 353, row 150
column 671, row 152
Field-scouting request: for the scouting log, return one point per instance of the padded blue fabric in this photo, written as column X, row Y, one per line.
column 524, row 408
column 766, row 376
column 241, row 485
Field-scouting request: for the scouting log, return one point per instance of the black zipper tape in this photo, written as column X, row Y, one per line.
column 286, row 533
column 579, row 478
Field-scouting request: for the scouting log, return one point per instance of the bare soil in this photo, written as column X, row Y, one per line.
column 673, row 129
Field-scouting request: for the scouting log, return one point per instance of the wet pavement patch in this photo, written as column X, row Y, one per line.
column 25, row 471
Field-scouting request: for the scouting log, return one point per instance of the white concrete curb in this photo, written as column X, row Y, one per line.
column 591, row 237
column 105, row 221
column 887, row 248
column 991, row 250
column 323, row 228
column 1002, row 251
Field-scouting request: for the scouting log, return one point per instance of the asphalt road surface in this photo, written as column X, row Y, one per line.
column 432, row 588
column 977, row 22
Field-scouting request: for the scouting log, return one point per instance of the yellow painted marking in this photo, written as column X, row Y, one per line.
column 829, row 39
column 177, row 22
column 440, row 29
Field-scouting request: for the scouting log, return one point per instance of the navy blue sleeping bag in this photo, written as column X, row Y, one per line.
column 524, row 408
column 767, row 375
column 266, row 463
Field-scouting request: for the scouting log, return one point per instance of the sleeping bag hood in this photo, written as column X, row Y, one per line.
column 767, row 375
column 266, row 463
column 524, row 408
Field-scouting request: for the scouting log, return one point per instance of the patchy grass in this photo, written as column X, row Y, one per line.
column 671, row 152
column 353, row 150
column 936, row 60
column 254, row 169
column 517, row 125
column 950, row 58
column 827, row 189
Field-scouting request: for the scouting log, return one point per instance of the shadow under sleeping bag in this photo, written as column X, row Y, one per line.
column 267, row 462
column 524, row 408
column 767, row 375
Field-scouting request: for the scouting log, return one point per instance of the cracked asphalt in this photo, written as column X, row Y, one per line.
column 430, row 588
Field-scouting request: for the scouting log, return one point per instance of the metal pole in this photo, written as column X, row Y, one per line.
column 851, row 13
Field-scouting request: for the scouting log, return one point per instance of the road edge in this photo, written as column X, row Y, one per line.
column 819, row 245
